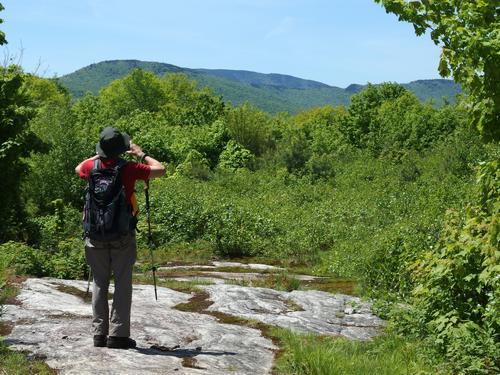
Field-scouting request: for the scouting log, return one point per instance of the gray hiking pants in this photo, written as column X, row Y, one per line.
column 105, row 257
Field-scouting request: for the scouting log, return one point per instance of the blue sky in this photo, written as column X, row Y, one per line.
column 337, row 42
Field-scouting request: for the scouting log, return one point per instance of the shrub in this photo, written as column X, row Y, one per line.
column 250, row 127
column 238, row 232
column 69, row 261
column 194, row 166
column 24, row 259
column 235, row 157
column 457, row 291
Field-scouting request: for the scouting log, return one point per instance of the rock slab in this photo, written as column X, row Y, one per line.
column 53, row 322
column 55, row 325
column 304, row 311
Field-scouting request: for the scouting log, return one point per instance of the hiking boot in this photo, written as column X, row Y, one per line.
column 100, row 341
column 115, row 342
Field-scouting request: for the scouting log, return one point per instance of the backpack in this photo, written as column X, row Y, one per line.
column 107, row 215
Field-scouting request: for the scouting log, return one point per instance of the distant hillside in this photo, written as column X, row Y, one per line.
column 270, row 92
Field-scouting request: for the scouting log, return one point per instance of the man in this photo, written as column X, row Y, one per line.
column 118, row 255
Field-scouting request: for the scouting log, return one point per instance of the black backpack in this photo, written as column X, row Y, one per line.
column 107, row 215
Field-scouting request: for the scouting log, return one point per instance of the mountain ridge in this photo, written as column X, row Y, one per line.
column 272, row 92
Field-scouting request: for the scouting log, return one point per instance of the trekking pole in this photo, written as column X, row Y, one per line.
column 150, row 236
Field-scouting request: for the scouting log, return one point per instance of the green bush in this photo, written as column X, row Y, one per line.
column 250, row 127
column 457, row 292
column 194, row 166
column 234, row 157
column 24, row 259
column 237, row 231
column 177, row 210
column 69, row 261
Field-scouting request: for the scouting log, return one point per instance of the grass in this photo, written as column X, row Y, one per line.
column 199, row 252
column 191, row 286
column 277, row 281
column 332, row 285
column 285, row 282
column 325, row 355
column 16, row 363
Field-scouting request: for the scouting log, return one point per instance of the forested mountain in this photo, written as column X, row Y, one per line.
column 270, row 92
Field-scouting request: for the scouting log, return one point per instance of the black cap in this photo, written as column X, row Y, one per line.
column 112, row 143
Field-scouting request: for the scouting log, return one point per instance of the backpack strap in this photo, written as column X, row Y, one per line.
column 97, row 164
column 120, row 164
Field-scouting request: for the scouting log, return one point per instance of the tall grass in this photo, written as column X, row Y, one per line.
column 319, row 355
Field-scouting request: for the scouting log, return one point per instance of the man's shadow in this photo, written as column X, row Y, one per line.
column 179, row 353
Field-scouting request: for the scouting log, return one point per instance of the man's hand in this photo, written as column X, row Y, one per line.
column 135, row 150
column 157, row 169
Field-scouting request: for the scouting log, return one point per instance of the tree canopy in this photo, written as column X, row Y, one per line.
column 469, row 34
column 2, row 34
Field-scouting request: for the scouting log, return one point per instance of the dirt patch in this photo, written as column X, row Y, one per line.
column 189, row 339
column 16, row 279
column 181, row 272
column 6, row 328
column 291, row 305
column 200, row 271
column 86, row 297
column 198, row 303
column 12, row 300
column 191, row 362
column 178, row 263
column 187, row 360
column 67, row 315
column 11, row 290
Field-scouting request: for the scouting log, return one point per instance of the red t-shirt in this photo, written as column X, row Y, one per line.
column 130, row 173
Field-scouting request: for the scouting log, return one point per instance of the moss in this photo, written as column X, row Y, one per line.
column 86, row 297
column 198, row 303
column 332, row 285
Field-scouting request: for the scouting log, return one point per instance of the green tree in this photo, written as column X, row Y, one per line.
column 250, row 127
column 139, row 90
column 2, row 34
column 44, row 91
column 51, row 174
column 363, row 109
column 469, row 34
column 457, row 289
column 16, row 141
column 322, row 127
column 195, row 166
column 186, row 104
column 407, row 124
